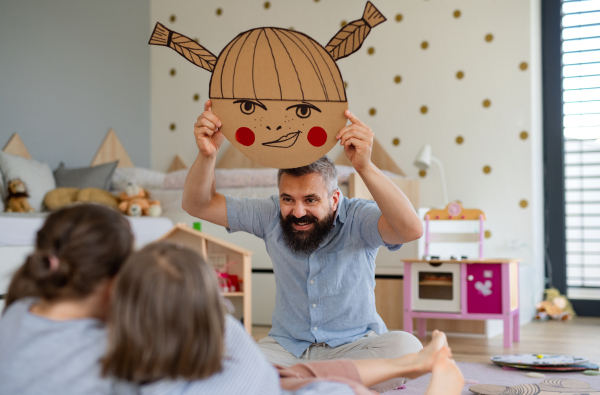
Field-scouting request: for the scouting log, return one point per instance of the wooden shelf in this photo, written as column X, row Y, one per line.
column 233, row 294
column 437, row 283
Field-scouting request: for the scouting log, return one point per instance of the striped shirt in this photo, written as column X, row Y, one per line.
column 245, row 371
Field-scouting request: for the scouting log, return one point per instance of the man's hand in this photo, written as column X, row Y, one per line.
column 357, row 139
column 207, row 132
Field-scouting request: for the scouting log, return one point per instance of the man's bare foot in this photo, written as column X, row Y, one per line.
column 446, row 378
column 422, row 362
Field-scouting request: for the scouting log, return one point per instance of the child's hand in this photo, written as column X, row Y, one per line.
column 207, row 132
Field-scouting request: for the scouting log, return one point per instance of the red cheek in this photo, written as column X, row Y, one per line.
column 245, row 136
column 317, row 136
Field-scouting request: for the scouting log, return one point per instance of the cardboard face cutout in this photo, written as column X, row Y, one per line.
column 278, row 93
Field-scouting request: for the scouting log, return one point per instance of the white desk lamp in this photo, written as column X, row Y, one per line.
column 423, row 162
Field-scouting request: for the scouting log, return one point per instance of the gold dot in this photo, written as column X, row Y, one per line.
column 267, row 5
column 372, row 111
column 291, row 28
column 486, row 103
column 487, row 234
column 172, row 126
column 398, row 17
column 523, row 66
column 343, row 23
column 460, row 140
column 196, row 97
column 197, row 40
column 460, row 75
column 172, row 72
column 457, row 14
column 396, row 141
column 424, row 45
column 316, row 1
column 422, row 173
column 345, row 85
column 487, row 169
column 173, row 18
column 424, row 110
column 371, row 51
column 523, row 203
column 524, row 135
column 489, row 38
column 219, row 11
column 397, row 79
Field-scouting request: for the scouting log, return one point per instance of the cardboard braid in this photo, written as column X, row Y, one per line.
column 185, row 46
column 351, row 37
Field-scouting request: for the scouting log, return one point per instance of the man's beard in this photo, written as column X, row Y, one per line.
column 306, row 241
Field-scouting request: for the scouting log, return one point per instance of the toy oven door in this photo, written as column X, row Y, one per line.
column 436, row 287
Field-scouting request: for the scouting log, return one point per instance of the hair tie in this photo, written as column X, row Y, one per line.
column 54, row 262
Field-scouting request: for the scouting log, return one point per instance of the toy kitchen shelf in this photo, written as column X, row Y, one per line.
column 477, row 289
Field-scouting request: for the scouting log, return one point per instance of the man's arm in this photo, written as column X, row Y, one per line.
column 200, row 196
column 399, row 222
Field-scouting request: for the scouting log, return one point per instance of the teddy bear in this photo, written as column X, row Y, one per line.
column 556, row 306
column 64, row 196
column 135, row 201
column 16, row 201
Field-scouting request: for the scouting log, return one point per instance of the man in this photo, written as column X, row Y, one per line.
column 322, row 245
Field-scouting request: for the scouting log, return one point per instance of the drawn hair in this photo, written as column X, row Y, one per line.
column 167, row 318
column 284, row 64
column 323, row 166
column 90, row 243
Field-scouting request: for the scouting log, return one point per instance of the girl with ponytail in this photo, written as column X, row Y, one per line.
column 52, row 334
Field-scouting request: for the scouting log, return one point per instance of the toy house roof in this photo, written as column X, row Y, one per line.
column 181, row 227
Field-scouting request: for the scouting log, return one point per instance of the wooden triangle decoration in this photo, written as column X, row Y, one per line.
column 15, row 146
column 234, row 159
column 177, row 164
column 379, row 157
column 111, row 150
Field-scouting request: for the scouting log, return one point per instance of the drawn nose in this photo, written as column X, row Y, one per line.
column 279, row 127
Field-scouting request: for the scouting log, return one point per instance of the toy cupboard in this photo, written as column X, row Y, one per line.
column 233, row 265
column 459, row 286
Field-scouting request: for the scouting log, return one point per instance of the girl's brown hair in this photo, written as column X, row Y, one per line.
column 76, row 248
column 167, row 319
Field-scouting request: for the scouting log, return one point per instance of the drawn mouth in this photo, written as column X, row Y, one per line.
column 284, row 141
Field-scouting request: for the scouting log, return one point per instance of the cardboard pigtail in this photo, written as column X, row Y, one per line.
column 351, row 37
column 185, row 46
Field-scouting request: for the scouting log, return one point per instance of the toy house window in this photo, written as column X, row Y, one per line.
column 580, row 35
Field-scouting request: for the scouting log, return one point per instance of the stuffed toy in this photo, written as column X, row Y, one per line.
column 16, row 201
column 62, row 197
column 556, row 306
column 135, row 202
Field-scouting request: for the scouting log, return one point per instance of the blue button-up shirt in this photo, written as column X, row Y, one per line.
column 329, row 295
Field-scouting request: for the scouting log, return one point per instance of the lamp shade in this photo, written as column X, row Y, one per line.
column 423, row 160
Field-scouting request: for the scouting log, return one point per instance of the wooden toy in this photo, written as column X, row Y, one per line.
column 546, row 387
column 210, row 246
column 533, row 360
column 467, row 289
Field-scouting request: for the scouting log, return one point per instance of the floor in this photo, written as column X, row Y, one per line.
column 580, row 337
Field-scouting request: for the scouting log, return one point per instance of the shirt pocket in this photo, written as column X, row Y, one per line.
column 342, row 269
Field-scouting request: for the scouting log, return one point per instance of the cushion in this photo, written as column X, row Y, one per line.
column 85, row 177
column 37, row 176
column 145, row 178
column 2, row 193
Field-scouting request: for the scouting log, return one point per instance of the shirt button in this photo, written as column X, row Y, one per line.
column 315, row 328
column 312, row 281
column 314, row 305
column 311, row 255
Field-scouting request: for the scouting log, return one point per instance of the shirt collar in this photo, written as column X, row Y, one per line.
column 340, row 213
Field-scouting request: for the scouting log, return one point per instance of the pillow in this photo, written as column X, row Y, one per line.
column 2, row 193
column 85, row 177
column 145, row 178
column 37, row 176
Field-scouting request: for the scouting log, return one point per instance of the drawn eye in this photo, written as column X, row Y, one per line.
column 247, row 107
column 303, row 111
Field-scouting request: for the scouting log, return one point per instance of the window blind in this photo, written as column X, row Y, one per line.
column 581, row 116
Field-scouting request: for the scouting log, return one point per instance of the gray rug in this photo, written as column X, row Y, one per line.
column 479, row 373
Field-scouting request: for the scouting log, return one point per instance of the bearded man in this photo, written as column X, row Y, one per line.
column 323, row 247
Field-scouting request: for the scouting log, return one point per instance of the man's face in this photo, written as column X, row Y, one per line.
column 307, row 211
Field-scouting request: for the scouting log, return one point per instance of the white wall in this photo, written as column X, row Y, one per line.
column 491, row 71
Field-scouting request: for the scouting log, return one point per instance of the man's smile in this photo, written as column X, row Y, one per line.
column 284, row 141
column 303, row 225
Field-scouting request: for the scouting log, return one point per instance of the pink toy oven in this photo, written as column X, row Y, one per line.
column 436, row 287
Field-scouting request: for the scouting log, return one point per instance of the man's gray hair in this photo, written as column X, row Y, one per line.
column 323, row 166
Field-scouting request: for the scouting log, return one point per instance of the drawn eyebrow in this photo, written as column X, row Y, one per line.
column 304, row 104
column 255, row 102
